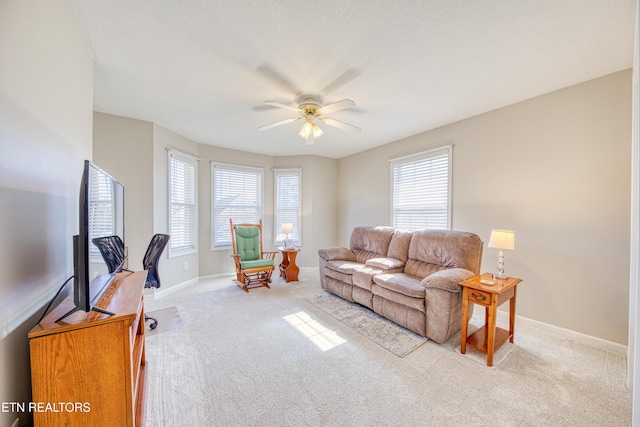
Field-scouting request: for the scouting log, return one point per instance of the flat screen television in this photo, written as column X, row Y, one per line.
column 101, row 204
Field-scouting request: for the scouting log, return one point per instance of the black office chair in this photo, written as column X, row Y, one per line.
column 150, row 263
column 112, row 250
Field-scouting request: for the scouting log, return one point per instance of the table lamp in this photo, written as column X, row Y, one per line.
column 287, row 228
column 501, row 239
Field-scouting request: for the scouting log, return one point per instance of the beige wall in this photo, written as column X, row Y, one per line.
column 123, row 147
column 171, row 269
column 46, row 106
column 556, row 170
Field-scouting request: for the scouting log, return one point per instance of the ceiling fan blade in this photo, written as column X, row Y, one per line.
column 278, row 78
column 281, row 105
column 340, row 105
column 340, row 81
column 338, row 124
column 281, row 122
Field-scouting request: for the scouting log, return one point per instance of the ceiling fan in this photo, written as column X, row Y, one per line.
column 311, row 109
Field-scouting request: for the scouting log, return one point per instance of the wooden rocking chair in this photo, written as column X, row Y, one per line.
column 253, row 266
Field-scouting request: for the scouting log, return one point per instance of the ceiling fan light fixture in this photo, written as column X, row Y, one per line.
column 310, row 109
column 309, row 128
column 317, row 132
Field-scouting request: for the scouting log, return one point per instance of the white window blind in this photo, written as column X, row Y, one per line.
column 287, row 203
column 237, row 194
column 101, row 208
column 421, row 187
column 182, row 204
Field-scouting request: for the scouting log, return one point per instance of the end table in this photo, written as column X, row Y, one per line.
column 288, row 268
column 489, row 338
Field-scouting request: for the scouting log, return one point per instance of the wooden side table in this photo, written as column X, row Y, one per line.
column 489, row 338
column 288, row 268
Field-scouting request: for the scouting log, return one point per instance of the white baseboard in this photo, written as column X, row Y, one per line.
column 164, row 291
column 217, row 276
column 503, row 318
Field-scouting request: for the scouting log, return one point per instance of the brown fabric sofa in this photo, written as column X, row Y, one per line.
column 411, row 278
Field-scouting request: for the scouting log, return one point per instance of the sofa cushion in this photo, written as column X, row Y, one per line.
column 385, row 263
column 421, row 269
column 400, row 299
column 449, row 249
column 341, row 270
column 399, row 245
column 401, row 283
column 370, row 242
column 363, row 277
column 342, row 266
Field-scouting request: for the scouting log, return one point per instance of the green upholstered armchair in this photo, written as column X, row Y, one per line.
column 253, row 266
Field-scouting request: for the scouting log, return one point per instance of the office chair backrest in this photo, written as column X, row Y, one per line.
column 151, row 258
column 112, row 250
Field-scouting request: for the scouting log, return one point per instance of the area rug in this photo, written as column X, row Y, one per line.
column 168, row 320
column 386, row 334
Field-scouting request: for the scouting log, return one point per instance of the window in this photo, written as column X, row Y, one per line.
column 182, row 203
column 236, row 194
column 287, row 203
column 421, row 190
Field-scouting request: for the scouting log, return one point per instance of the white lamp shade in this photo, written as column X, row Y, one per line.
column 287, row 228
column 502, row 239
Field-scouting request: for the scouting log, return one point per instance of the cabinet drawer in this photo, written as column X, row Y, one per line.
column 479, row 297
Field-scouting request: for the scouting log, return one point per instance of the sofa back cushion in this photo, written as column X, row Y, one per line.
column 370, row 242
column 399, row 245
column 434, row 250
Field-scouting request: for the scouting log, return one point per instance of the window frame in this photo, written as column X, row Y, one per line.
column 278, row 237
column 416, row 158
column 224, row 245
column 191, row 247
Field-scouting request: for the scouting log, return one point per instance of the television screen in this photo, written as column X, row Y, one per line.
column 105, row 217
column 101, row 204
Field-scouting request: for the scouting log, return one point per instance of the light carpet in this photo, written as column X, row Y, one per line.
column 386, row 334
column 270, row 358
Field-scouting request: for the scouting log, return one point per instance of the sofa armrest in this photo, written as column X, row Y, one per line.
column 385, row 263
column 329, row 254
column 447, row 279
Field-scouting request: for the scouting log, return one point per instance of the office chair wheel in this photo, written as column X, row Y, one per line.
column 154, row 324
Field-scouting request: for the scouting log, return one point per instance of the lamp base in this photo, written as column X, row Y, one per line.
column 500, row 274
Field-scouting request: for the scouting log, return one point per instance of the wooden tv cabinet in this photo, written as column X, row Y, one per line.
column 89, row 369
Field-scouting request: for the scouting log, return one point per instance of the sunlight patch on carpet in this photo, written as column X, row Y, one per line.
column 324, row 338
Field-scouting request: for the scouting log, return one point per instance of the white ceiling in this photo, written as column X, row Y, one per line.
column 204, row 68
